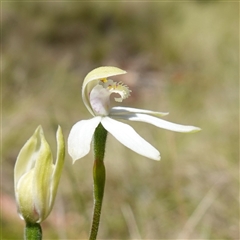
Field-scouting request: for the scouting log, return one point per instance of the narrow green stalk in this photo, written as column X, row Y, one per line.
column 100, row 137
column 33, row 231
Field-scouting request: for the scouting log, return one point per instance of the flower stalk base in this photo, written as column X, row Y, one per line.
column 33, row 231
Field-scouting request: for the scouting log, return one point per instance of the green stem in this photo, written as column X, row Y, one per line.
column 100, row 137
column 33, row 231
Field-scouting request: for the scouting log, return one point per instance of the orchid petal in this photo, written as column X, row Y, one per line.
column 128, row 137
column 58, row 166
column 91, row 79
column 80, row 137
column 116, row 111
column 25, row 160
column 42, row 178
column 160, row 123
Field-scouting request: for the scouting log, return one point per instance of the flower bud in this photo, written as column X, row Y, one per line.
column 36, row 178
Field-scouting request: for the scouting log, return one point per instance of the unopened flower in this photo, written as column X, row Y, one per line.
column 36, row 177
column 96, row 93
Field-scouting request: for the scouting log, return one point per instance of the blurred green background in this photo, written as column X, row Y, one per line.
column 180, row 57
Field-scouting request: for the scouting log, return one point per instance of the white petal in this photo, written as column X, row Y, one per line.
column 116, row 111
column 161, row 123
column 128, row 137
column 80, row 137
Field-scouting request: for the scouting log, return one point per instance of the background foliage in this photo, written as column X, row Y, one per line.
column 180, row 57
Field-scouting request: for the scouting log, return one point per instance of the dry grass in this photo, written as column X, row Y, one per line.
column 181, row 58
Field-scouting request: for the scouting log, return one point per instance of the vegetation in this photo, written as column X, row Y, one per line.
column 180, row 57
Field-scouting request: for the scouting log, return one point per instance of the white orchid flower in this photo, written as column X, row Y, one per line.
column 96, row 92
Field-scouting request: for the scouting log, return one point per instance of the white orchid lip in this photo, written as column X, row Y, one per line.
column 99, row 97
column 116, row 87
column 96, row 93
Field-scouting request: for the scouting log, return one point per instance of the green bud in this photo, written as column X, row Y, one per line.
column 36, row 177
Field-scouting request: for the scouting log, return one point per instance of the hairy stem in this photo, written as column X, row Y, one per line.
column 33, row 231
column 100, row 137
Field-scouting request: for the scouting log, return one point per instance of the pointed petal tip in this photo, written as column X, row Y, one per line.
column 59, row 130
column 73, row 161
column 157, row 158
column 39, row 129
column 158, row 114
column 73, row 158
column 195, row 129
